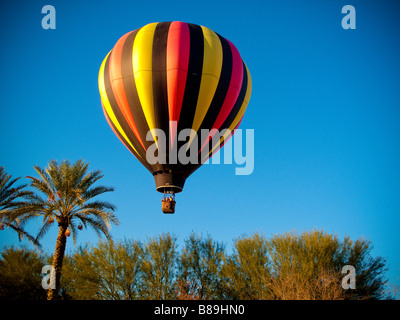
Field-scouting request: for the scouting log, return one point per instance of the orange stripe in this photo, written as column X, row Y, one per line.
column 117, row 85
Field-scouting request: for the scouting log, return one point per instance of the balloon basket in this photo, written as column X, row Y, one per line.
column 168, row 206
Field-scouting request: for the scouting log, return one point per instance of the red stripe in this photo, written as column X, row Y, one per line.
column 178, row 47
column 117, row 85
column 234, row 87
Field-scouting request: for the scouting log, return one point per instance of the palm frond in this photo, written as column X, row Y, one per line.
column 41, row 185
column 11, row 205
column 91, row 178
column 99, row 205
column 22, row 233
column 43, row 230
column 79, row 172
column 45, row 178
column 94, row 192
column 98, row 226
column 10, row 193
column 73, row 230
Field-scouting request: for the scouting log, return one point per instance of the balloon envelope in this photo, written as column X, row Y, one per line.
column 173, row 76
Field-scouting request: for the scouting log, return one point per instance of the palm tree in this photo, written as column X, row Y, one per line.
column 68, row 192
column 11, row 203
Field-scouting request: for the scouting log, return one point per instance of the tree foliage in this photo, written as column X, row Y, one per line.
column 246, row 272
column 20, row 274
column 314, row 257
column 200, row 265
column 109, row 271
column 159, row 265
column 287, row 266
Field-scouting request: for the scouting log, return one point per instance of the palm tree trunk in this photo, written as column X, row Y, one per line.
column 58, row 260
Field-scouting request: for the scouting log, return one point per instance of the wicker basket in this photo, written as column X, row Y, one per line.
column 168, row 206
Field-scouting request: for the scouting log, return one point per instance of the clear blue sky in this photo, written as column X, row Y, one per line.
column 325, row 108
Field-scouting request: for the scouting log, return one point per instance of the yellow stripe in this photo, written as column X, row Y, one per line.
column 107, row 106
column 212, row 65
column 240, row 114
column 142, row 53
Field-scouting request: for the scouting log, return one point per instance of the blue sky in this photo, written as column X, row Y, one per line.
column 325, row 109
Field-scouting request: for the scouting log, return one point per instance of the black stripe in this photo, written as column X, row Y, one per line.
column 239, row 102
column 219, row 96
column 192, row 86
column 193, row 79
column 130, row 88
column 222, row 88
column 194, row 168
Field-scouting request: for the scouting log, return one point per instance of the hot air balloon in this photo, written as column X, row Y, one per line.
column 170, row 77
